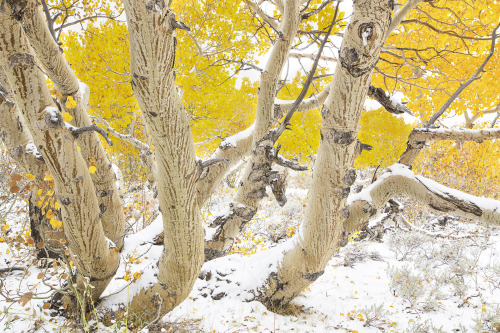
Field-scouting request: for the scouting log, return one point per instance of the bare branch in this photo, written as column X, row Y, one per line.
column 305, row 16
column 400, row 15
column 268, row 19
column 474, row 77
column 76, row 131
column 381, row 96
column 10, row 269
column 446, row 32
column 309, row 79
column 311, row 56
column 281, row 106
column 495, row 120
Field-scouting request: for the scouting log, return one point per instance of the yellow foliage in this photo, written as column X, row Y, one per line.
column 429, row 65
column 70, row 103
column 67, row 117
column 472, row 168
column 386, row 133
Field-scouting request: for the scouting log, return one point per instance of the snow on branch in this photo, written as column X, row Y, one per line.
column 311, row 56
column 387, row 102
column 268, row 19
column 125, row 137
column 420, row 137
column 461, row 134
column 281, row 106
column 231, row 149
column 400, row 180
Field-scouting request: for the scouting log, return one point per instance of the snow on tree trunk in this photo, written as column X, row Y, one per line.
column 333, row 173
column 257, row 174
column 152, row 44
column 65, row 81
column 92, row 253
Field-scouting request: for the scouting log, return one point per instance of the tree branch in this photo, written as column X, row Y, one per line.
column 390, row 105
column 400, row 180
column 420, row 137
column 295, row 106
column 464, row 85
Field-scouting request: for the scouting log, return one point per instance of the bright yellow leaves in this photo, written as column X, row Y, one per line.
column 70, row 103
column 428, row 66
column 92, row 169
column 55, row 223
column 29, row 177
column 386, row 133
column 471, row 167
column 67, row 117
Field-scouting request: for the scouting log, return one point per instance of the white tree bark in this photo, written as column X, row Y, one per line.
column 152, row 43
column 15, row 133
column 333, row 171
column 65, row 81
column 420, row 137
column 91, row 251
column 257, row 173
column 400, row 180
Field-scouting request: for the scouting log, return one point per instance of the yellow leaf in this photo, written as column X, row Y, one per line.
column 54, row 223
column 137, row 275
column 39, row 192
column 126, row 277
column 70, row 102
column 29, row 176
column 67, row 116
column 92, row 169
column 57, row 205
column 50, row 214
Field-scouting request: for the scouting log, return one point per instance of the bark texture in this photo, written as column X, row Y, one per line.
column 49, row 53
column 151, row 28
column 257, row 174
column 92, row 253
column 333, row 171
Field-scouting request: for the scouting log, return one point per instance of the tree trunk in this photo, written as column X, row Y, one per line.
column 333, row 173
column 152, row 44
column 51, row 56
column 19, row 143
column 91, row 252
column 257, row 174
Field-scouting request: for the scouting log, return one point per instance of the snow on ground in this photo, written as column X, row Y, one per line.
column 409, row 281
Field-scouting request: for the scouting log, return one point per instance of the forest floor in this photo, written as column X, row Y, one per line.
column 423, row 273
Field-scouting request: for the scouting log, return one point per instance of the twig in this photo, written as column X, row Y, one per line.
column 299, row 99
column 157, row 316
column 466, row 83
column 10, row 269
column 76, row 131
